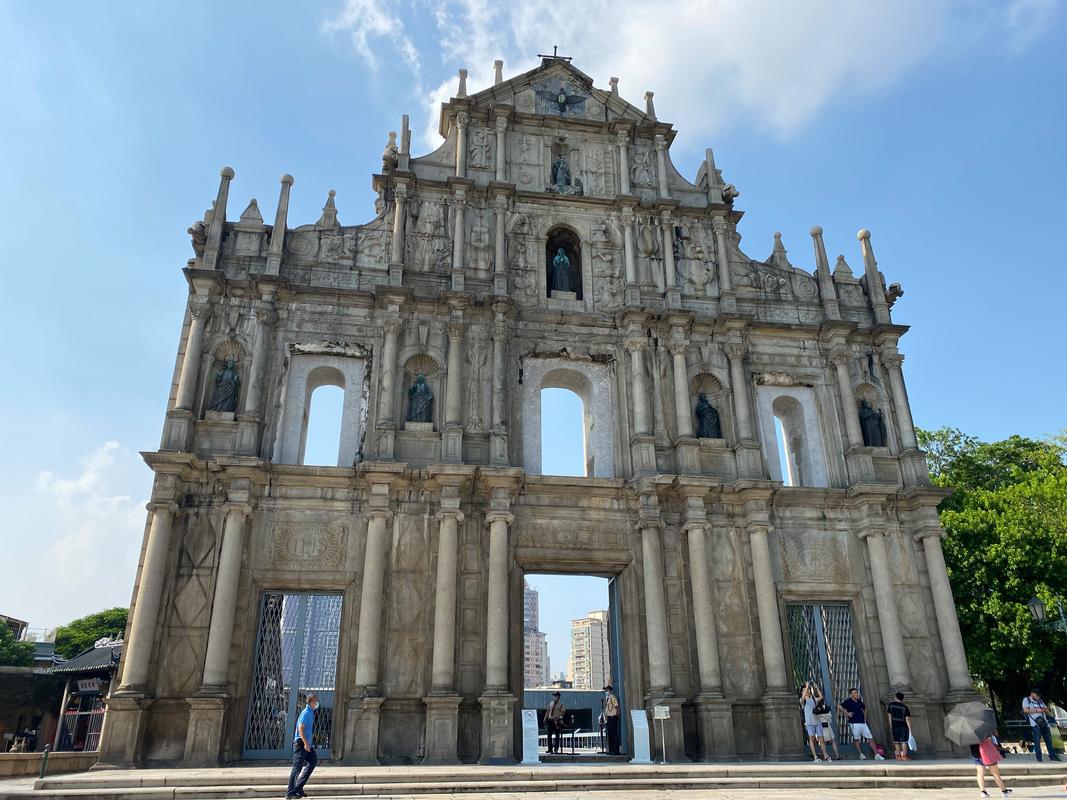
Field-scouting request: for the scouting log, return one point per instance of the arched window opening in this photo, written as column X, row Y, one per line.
column 792, row 442
column 324, row 400
column 563, row 262
column 784, row 460
column 564, row 446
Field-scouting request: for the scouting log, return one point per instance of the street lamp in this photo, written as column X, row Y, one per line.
column 1039, row 612
column 1037, row 608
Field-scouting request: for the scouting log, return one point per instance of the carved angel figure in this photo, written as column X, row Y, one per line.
column 561, row 99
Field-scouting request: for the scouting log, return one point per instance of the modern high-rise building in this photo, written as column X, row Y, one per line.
column 590, row 662
column 534, row 642
column 529, row 608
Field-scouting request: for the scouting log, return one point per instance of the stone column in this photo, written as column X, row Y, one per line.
column 462, row 119
column 199, row 311
column 640, row 392
column 501, row 147
column 459, row 203
column 217, row 227
column 277, row 235
column 948, row 624
column 370, row 609
column 500, row 251
column 386, row 424
column 682, row 413
column 736, row 355
column 726, row 292
column 444, row 620
column 496, row 644
column 224, row 604
column 767, row 608
column 628, row 246
column 452, row 440
column 703, row 609
column 498, row 437
column 138, row 652
column 659, row 660
column 660, row 144
column 888, row 618
column 667, row 227
column 266, row 316
column 892, row 364
column 622, row 139
column 848, row 400
column 400, row 193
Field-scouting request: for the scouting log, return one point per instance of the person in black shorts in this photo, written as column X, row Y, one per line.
column 900, row 725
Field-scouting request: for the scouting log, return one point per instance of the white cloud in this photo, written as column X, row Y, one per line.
column 79, row 536
column 712, row 63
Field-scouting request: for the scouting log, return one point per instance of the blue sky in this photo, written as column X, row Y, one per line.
column 939, row 125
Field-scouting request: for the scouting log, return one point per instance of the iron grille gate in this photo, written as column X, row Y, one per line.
column 824, row 652
column 296, row 653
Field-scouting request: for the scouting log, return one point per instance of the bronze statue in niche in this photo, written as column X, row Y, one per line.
column 563, row 264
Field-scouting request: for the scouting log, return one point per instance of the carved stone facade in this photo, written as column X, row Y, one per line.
column 425, row 528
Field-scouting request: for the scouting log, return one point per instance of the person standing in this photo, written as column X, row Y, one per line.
column 986, row 756
column 856, row 710
column 812, row 726
column 554, row 723
column 900, row 726
column 611, row 719
column 304, row 758
column 1035, row 709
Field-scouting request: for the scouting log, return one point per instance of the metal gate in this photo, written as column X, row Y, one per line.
column 824, row 652
column 296, row 654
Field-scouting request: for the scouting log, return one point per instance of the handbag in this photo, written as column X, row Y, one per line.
column 988, row 752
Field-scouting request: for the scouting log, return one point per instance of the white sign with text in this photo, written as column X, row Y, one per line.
column 530, row 754
column 642, row 754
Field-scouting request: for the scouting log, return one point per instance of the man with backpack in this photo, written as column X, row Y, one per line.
column 1036, row 711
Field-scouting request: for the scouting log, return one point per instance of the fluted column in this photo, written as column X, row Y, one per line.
column 500, row 252
column 892, row 364
column 667, row 227
column 640, row 392
column 683, row 414
column 400, row 193
column 628, row 246
column 224, row 604
column 199, row 311
column 217, row 227
column 948, row 624
column 888, row 618
column 277, row 235
column 767, row 607
column 739, row 390
column 266, row 316
column 660, row 144
column 444, row 621
column 369, row 637
column 622, row 140
column 718, row 226
column 848, row 400
column 707, row 634
column 459, row 204
column 387, row 393
column 501, row 151
column 496, row 645
column 462, row 119
column 454, row 389
column 659, row 662
column 149, row 592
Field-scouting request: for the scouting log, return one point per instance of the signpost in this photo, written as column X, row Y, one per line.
column 641, row 750
column 662, row 713
column 530, row 754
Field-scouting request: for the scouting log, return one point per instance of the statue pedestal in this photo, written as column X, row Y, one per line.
column 176, row 430
column 498, row 449
column 632, row 295
column 860, row 465
column 248, row 434
column 122, row 737
column 442, row 729
column 203, row 738
column 387, row 443
column 727, row 303
column 419, row 427
column 497, row 728
column 396, row 274
column 749, row 459
column 451, row 444
column 674, row 298
column 458, row 280
column 687, row 455
column 715, row 721
column 361, row 730
column 219, row 416
column 557, row 295
column 782, row 738
column 643, row 453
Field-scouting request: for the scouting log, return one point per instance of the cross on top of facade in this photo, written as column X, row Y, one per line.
column 555, row 56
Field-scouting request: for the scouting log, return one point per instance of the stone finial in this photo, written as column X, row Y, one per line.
column 462, row 83
column 405, row 134
column 650, row 109
column 227, row 172
column 251, row 215
column 288, row 179
column 825, row 281
column 778, row 255
column 329, row 213
column 842, row 269
column 391, row 153
column 614, row 83
column 498, row 72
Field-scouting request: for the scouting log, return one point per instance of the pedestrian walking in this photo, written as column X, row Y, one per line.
column 554, row 723
column 810, row 697
column 1037, row 712
column 856, row 711
column 986, row 756
column 900, row 726
column 611, row 719
column 304, row 758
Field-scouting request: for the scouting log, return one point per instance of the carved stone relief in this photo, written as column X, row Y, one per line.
column 308, row 544
column 428, row 245
column 479, row 149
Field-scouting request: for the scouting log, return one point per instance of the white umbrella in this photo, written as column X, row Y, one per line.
column 970, row 722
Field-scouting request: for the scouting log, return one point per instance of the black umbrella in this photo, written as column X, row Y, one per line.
column 970, row 722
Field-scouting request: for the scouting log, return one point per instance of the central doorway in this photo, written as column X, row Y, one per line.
column 572, row 645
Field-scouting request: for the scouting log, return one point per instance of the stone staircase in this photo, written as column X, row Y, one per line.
column 610, row 779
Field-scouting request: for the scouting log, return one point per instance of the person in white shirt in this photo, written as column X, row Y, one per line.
column 1035, row 709
column 810, row 697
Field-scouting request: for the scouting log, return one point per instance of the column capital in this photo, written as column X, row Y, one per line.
column 650, row 523
column 890, row 360
column 871, row 532
column 622, row 137
column 400, row 191
column 735, row 350
column 442, row 515
column 665, row 218
column 659, row 142
column 677, row 343
column 498, row 516
column 929, row 533
column 695, row 525
column 501, row 201
column 839, row 358
column 635, row 345
column 718, row 225
column 200, row 306
column 462, row 118
column 380, row 513
column 162, row 507
column 500, row 119
column 266, row 314
column 391, row 324
column 244, row 509
column 456, row 330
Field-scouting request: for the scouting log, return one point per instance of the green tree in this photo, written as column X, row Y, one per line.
column 14, row 653
column 81, row 634
column 1007, row 541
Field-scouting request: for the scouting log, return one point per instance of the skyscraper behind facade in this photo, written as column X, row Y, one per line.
column 590, row 661
column 534, row 642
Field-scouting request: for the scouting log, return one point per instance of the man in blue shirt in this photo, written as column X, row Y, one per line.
column 304, row 758
column 856, row 711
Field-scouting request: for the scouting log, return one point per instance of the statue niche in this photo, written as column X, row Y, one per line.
column 227, row 388
column 420, row 401
column 872, row 425
column 563, row 263
column 708, row 424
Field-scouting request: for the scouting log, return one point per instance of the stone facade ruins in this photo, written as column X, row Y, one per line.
column 549, row 242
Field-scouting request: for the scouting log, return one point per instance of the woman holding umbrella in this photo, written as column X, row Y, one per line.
column 972, row 723
column 986, row 756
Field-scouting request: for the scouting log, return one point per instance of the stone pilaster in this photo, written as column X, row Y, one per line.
column 500, row 245
column 501, row 123
column 622, row 141
column 642, row 443
column 659, row 142
column 912, row 462
column 396, row 250
column 727, row 301
column 363, row 719
column 857, row 457
column 687, row 448
column 178, row 427
column 387, row 393
column 498, row 437
column 459, row 204
column 747, row 449
column 462, row 121
column 248, row 423
column 670, row 275
column 632, row 290
column 452, row 438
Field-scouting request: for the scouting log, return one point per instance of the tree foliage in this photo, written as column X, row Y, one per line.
column 81, row 634
column 1007, row 542
column 14, row 653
